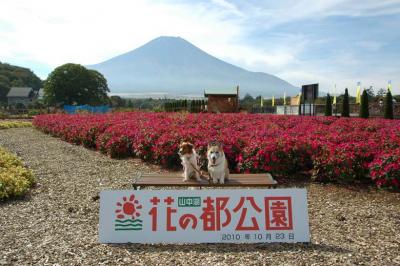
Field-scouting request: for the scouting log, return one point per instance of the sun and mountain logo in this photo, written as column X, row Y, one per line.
column 127, row 214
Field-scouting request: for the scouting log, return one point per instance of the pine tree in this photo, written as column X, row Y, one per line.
column 364, row 112
column 328, row 105
column 192, row 108
column 388, row 106
column 130, row 103
column 346, row 105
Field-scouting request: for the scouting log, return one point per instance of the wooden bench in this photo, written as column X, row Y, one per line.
column 175, row 180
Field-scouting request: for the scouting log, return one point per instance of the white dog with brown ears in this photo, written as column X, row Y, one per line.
column 217, row 163
column 189, row 161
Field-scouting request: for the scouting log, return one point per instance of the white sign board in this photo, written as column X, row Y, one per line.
column 204, row 216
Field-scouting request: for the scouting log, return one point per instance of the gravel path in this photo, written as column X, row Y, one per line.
column 57, row 223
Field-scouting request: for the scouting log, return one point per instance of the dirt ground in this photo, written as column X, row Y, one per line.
column 57, row 222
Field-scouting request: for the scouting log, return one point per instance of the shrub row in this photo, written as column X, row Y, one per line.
column 15, row 179
column 335, row 149
column 12, row 124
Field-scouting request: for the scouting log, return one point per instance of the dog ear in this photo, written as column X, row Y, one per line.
column 218, row 144
column 183, row 143
column 221, row 146
column 190, row 147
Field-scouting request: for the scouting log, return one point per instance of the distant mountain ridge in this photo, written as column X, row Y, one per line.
column 174, row 66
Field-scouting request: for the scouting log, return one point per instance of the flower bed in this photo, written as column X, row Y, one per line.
column 335, row 149
column 15, row 179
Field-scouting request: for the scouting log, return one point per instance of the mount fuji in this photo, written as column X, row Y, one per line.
column 174, row 66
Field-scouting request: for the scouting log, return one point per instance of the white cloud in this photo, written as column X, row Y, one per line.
column 91, row 31
column 228, row 7
column 274, row 13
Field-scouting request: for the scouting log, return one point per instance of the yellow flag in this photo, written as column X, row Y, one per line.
column 284, row 98
column 334, row 96
column 358, row 93
column 262, row 101
column 390, row 85
column 273, row 101
column 299, row 99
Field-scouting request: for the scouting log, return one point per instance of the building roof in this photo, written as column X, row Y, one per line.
column 19, row 92
column 229, row 92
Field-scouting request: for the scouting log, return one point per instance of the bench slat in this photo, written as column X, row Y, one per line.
column 175, row 179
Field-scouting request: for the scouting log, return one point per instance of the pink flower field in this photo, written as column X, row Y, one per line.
column 335, row 149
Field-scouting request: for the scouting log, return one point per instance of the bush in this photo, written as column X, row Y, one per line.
column 3, row 115
column 33, row 112
column 15, row 179
column 388, row 114
column 346, row 104
column 385, row 169
column 364, row 112
column 14, row 124
column 338, row 150
column 328, row 105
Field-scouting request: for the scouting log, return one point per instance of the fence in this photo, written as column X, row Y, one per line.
column 375, row 109
column 73, row 109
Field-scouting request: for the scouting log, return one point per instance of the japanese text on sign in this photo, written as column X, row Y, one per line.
column 204, row 216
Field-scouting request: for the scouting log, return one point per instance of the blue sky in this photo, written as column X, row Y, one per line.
column 329, row 42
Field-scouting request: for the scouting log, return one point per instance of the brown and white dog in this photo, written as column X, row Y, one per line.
column 189, row 161
column 217, row 163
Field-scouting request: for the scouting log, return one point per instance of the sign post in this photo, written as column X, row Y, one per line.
column 204, row 216
column 310, row 93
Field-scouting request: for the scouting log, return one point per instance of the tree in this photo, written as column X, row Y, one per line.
column 388, row 114
column 74, row 84
column 247, row 102
column 99, row 87
column 117, row 101
column 129, row 104
column 370, row 91
column 346, row 105
column 364, row 112
column 328, row 105
column 381, row 92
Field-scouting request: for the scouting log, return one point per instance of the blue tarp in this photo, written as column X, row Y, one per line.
column 73, row 109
